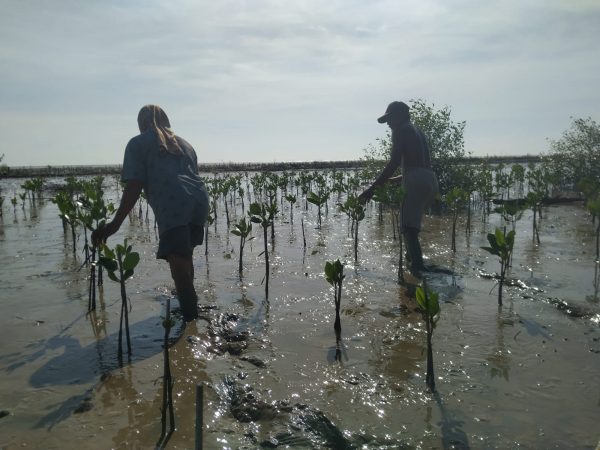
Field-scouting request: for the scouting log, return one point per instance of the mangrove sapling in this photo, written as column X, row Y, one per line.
column 272, row 207
column 68, row 212
column 455, row 199
column 210, row 218
column 392, row 194
column 593, row 205
column 334, row 274
column 23, row 196
column 303, row 233
column 501, row 245
column 356, row 211
column 243, row 230
column 319, row 200
column 485, row 187
column 93, row 213
column 1, row 203
column 263, row 215
column 123, row 260
column 292, row 199
column 167, row 401
column 517, row 177
column 429, row 303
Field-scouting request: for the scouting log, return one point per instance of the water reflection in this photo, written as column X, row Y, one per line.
column 499, row 360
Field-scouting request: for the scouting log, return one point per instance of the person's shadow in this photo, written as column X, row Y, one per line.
column 81, row 365
column 89, row 364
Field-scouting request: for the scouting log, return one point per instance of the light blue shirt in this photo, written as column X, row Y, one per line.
column 172, row 184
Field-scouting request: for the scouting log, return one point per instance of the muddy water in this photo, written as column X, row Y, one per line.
column 525, row 375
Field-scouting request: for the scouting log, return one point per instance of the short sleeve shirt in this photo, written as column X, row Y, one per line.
column 172, row 185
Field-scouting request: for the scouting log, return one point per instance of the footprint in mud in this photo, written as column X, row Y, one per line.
column 296, row 425
column 227, row 334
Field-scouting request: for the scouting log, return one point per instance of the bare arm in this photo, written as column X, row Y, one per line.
column 384, row 176
column 131, row 194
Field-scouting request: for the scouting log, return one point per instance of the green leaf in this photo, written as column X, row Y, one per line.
column 113, row 277
column 236, row 232
column 127, row 274
column 255, row 209
column 109, row 264
column 131, row 260
column 329, row 273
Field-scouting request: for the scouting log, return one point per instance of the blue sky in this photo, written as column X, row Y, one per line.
column 289, row 80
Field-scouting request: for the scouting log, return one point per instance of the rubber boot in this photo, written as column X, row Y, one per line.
column 413, row 248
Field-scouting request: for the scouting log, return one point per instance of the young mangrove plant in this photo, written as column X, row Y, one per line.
column 319, row 200
column 334, row 274
column 262, row 214
column 392, row 195
column 356, row 211
column 455, row 199
column 243, row 230
column 429, row 303
column 93, row 212
column 122, row 260
column 210, row 219
column 501, row 245
column 593, row 205
column 292, row 200
column 167, row 400
column 68, row 212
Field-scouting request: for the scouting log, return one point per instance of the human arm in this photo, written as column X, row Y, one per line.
column 384, row 176
column 131, row 194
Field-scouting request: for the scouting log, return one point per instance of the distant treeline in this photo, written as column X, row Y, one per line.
column 65, row 171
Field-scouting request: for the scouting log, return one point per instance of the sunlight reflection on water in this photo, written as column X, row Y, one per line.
column 502, row 375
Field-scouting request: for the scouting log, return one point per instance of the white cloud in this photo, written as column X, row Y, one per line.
column 264, row 80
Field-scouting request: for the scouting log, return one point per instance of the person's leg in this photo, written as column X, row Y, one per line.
column 413, row 248
column 183, row 275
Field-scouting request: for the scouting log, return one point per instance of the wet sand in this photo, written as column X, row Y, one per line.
column 524, row 375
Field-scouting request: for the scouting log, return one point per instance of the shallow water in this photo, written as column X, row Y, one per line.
column 525, row 375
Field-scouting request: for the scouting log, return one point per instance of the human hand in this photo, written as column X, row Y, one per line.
column 100, row 234
column 366, row 195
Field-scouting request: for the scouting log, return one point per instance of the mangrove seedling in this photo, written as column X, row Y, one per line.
column 319, row 200
column 392, row 194
column 167, row 400
column 210, row 219
column 429, row 303
column 356, row 211
column 122, row 260
column 455, row 198
column 93, row 213
column 501, row 245
column 262, row 214
column 593, row 205
column 243, row 230
column 334, row 274
column 292, row 199
column 68, row 212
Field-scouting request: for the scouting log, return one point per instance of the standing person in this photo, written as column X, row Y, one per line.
column 165, row 166
column 411, row 151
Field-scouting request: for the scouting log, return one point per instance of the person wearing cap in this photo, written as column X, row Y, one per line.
column 410, row 151
column 165, row 166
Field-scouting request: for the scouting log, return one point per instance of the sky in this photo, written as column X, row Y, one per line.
column 276, row 81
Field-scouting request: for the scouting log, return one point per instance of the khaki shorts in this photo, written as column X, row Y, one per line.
column 421, row 187
column 180, row 240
